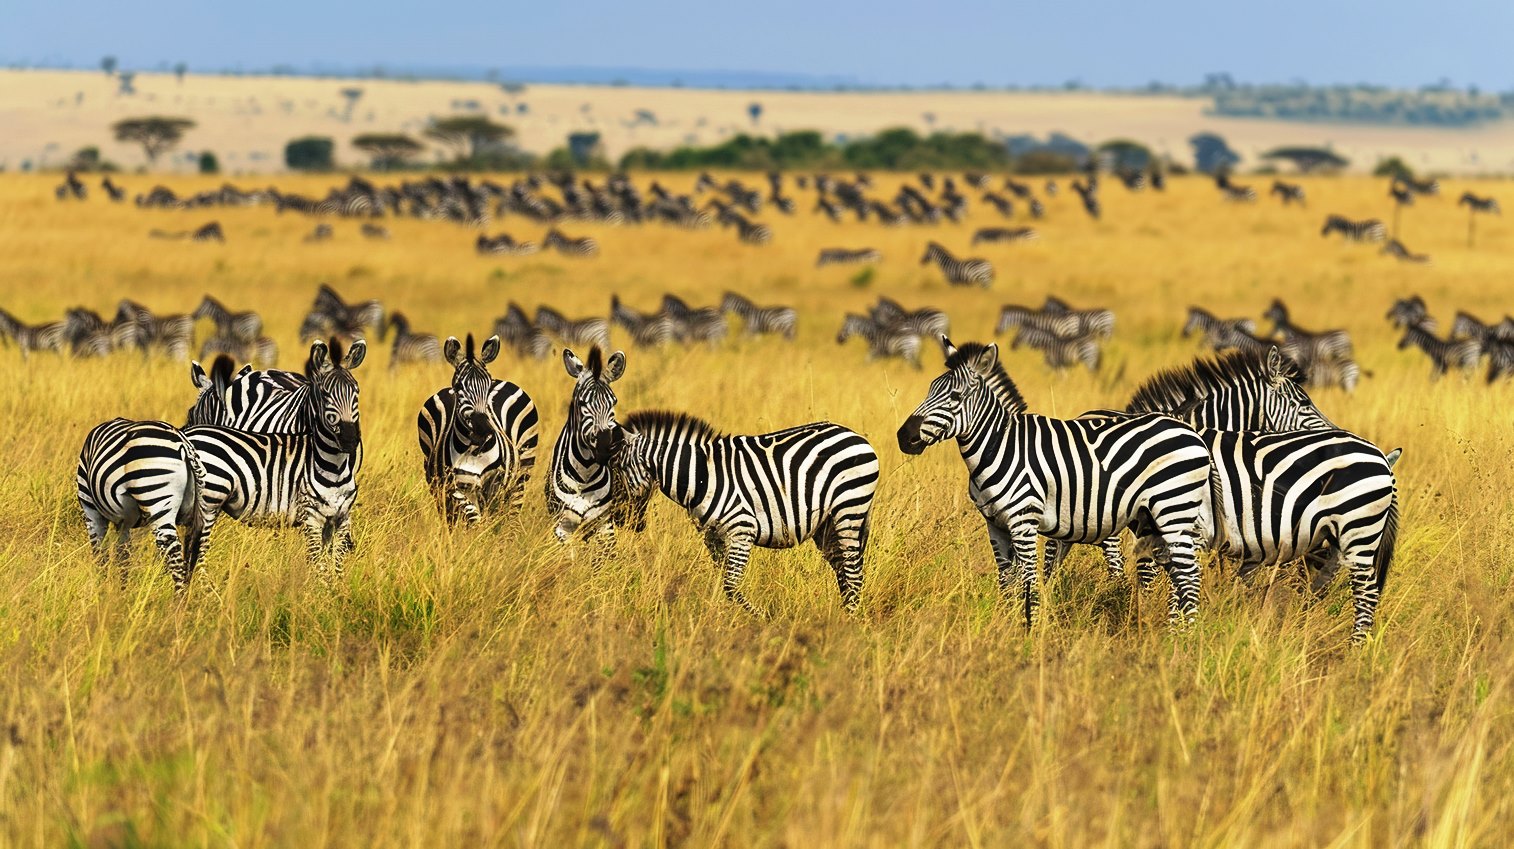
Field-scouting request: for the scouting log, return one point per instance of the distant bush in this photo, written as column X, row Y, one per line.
column 1046, row 162
column 311, row 153
column 209, row 164
column 1308, row 159
column 1393, row 167
column 899, row 148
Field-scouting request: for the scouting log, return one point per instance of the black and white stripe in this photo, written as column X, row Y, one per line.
column 1475, row 203
column 586, row 246
column 959, row 272
column 409, row 346
column 583, row 332
column 846, row 256
column 1004, row 235
column 882, row 340
column 777, row 320
column 1288, row 193
column 1369, row 230
column 1444, row 354
column 580, row 479
column 245, row 326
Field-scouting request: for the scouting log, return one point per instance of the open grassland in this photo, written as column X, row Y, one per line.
column 490, row 687
column 246, row 120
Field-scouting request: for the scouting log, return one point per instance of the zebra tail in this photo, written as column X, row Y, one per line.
column 197, row 510
column 1214, row 536
column 1386, row 546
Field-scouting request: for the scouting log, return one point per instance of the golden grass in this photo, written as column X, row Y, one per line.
column 490, row 688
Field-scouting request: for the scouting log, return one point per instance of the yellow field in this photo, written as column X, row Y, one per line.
column 490, row 688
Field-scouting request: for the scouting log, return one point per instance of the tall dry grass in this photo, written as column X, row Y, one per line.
column 492, row 688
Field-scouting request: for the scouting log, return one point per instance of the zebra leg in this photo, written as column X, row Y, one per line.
column 843, row 550
column 341, row 543
column 1151, row 558
column 123, row 549
column 738, row 549
column 1023, row 540
column 1056, row 551
column 1004, row 559
column 1183, row 571
column 314, row 527
column 97, row 527
column 1114, row 557
column 462, row 502
column 167, row 538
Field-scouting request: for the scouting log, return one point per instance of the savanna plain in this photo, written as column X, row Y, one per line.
column 492, row 687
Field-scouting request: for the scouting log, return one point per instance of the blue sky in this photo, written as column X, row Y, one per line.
column 1102, row 43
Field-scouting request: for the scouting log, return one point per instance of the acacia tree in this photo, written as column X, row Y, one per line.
column 155, row 133
column 388, row 150
column 468, row 135
column 108, row 65
column 1307, row 159
column 179, row 70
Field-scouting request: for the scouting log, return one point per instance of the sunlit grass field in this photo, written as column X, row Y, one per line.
column 491, row 687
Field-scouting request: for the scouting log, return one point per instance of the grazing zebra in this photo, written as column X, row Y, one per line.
column 1061, row 352
column 705, row 324
column 555, row 240
column 116, row 193
column 592, row 332
column 1444, row 354
column 760, row 320
column 132, row 474
column 1035, row 207
column 262, row 351
column 1238, row 194
column 409, row 346
column 1500, row 358
column 478, row 436
column 375, row 231
column 1089, row 195
column 829, row 209
column 1079, row 480
column 647, row 331
column 522, row 334
column 846, row 256
column 1479, row 204
column 1288, row 193
column 1402, row 196
column 503, row 244
column 580, row 474
column 40, row 337
column 208, row 233
column 999, row 235
column 959, row 272
column 171, row 333
column 1409, row 311
column 1003, row 205
column 1396, row 249
column 1370, row 230
column 1421, row 187
column 321, row 233
column 882, row 340
column 926, row 321
column 772, row 490
column 305, row 477
column 1322, row 345
column 1099, row 322
column 244, row 326
column 747, row 232
column 1217, row 331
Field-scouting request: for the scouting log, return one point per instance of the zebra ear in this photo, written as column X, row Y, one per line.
column 355, row 355
column 197, row 375
column 320, row 357
column 489, row 351
column 452, row 350
column 615, row 367
column 946, row 346
column 985, row 360
column 1275, row 370
column 572, row 363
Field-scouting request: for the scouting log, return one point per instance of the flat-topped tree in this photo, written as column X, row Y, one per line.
column 1309, row 159
column 468, row 135
column 155, row 133
column 388, row 150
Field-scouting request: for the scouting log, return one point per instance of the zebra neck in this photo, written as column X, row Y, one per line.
column 990, row 427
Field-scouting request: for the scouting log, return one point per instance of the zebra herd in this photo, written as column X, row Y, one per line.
column 1470, row 341
column 1324, row 358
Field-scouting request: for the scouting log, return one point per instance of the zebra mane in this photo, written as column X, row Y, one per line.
column 666, row 420
column 221, row 371
column 1174, row 388
column 596, row 362
column 998, row 381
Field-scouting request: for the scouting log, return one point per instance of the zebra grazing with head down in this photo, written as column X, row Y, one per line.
column 377, row 232
column 704, row 324
column 1072, row 481
column 1004, row 235
column 1288, row 193
column 1479, row 204
column 883, row 340
column 586, row 246
column 1217, row 331
column 1322, row 345
column 1089, row 195
column 584, row 331
column 846, row 256
column 133, row 474
column 1238, row 194
column 1369, row 230
column 49, row 336
column 262, row 351
column 926, row 321
column 1408, row 311
column 1396, row 249
column 1444, row 354
column 580, row 475
column 959, row 272
column 648, row 331
column 305, row 476
column 503, row 244
column 747, row 232
column 245, row 326
column 521, row 334
column 1061, row 352
column 1429, row 188
column 772, row 490
column 1003, row 205
column 778, row 320
column 478, row 436
column 116, row 193
column 169, row 333
column 409, row 346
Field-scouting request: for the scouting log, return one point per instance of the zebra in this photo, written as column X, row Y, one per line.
column 1444, row 354
column 71, row 187
column 1468, row 326
column 522, row 334
column 411, row 347
column 1217, row 331
column 581, row 474
column 584, row 247
column 321, row 233
column 704, row 324
column 171, row 333
column 136, row 473
column 829, row 209
column 1323, row 345
column 49, row 336
column 1369, row 230
column 1479, row 204
column 584, row 331
column 244, row 326
column 1420, row 187
column 1288, row 193
column 261, row 351
column 1060, row 352
column 1000, row 235
column 1402, row 195
column 503, row 244
column 1500, row 358
column 648, row 331
column 759, row 320
column 748, row 232
column 882, row 340
column 1002, row 204
column 1396, row 249
column 478, row 436
column 847, row 256
column 1053, row 323
column 1099, row 322
column 376, row 232
column 116, row 193
column 959, row 272
column 208, row 233
column 1075, row 480
column 306, row 477
column 1089, row 196
column 926, row 321
column 1238, row 194
column 1035, row 207
column 1409, row 311
column 772, row 490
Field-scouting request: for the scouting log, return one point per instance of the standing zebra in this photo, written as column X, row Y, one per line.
column 409, row 346
column 305, row 477
column 748, row 232
column 1217, row 331
column 132, row 474
column 1444, row 354
column 1004, row 235
column 50, row 336
column 1288, row 193
column 882, row 340
column 759, row 320
column 593, row 332
column 1079, row 480
column 1479, row 204
column 586, row 246
column 1397, row 250
column 705, row 324
column 1369, row 230
column 580, row 476
column 478, row 436
column 846, row 256
column 1060, row 352
column 926, row 321
column 245, row 326
column 649, row 331
column 773, row 490
column 1322, row 345
column 959, row 272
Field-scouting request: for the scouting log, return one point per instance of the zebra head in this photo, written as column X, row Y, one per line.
column 210, row 405
column 471, row 384
column 974, row 386
column 1285, row 403
column 854, row 325
column 932, row 250
column 591, row 413
column 333, row 391
column 624, row 491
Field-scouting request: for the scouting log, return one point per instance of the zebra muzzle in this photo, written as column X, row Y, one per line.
column 909, row 436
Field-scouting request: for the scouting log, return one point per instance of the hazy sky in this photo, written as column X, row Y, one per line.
column 1393, row 42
